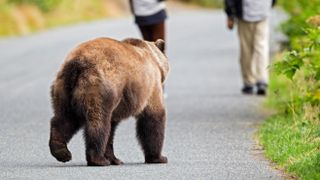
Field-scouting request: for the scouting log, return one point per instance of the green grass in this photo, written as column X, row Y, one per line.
column 292, row 144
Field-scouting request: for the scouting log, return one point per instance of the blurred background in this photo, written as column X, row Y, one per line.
column 20, row 17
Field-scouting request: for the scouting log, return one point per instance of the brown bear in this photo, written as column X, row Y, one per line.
column 102, row 82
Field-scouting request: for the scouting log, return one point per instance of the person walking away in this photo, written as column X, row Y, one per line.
column 252, row 17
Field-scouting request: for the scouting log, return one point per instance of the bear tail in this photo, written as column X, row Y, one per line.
column 72, row 71
column 71, row 74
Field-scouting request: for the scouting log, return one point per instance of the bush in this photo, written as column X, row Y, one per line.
column 302, row 66
column 302, row 63
column 299, row 11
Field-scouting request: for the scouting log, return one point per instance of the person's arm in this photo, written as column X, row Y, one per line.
column 131, row 6
column 229, row 7
column 274, row 2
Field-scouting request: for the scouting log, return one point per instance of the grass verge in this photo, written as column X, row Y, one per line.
column 290, row 138
column 293, row 145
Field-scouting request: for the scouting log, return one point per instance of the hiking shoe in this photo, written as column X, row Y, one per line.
column 262, row 89
column 247, row 89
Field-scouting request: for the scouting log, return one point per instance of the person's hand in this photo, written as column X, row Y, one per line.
column 230, row 23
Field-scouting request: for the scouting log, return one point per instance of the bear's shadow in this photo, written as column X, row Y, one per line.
column 40, row 166
column 84, row 165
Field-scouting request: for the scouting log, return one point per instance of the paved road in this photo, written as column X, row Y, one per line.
column 210, row 127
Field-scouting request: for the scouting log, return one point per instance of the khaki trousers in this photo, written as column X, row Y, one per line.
column 254, row 51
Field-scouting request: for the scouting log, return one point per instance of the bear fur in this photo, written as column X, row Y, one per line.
column 102, row 82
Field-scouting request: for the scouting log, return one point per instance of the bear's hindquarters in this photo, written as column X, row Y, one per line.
column 80, row 97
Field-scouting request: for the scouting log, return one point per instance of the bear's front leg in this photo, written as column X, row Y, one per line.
column 150, row 132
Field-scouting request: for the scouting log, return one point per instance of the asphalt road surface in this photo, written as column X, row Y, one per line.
column 210, row 127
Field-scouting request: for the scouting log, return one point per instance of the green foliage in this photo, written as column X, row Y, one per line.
column 292, row 138
column 44, row 5
column 302, row 66
column 293, row 144
column 290, row 64
column 7, row 24
column 299, row 11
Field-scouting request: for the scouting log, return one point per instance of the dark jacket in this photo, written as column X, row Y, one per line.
column 233, row 8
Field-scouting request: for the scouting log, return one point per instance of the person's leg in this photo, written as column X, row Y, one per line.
column 245, row 31
column 146, row 32
column 153, row 32
column 261, row 51
column 158, row 31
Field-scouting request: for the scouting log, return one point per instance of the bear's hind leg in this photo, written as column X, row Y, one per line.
column 97, row 130
column 61, row 131
column 109, row 153
column 150, row 132
column 96, row 134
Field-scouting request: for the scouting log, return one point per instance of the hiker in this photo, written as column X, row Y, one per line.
column 252, row 17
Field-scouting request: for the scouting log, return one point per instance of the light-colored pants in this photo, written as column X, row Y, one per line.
column 254, row 51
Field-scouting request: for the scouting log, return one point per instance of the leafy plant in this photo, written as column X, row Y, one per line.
column 299, row 11
column 302, row 66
